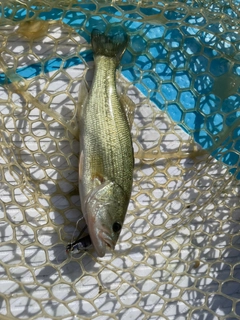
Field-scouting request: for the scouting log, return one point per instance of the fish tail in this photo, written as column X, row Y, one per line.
column 109, row 45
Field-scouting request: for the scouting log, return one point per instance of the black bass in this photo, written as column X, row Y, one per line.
column 106, row 153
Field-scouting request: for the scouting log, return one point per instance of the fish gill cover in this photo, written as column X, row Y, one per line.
column 178, row 254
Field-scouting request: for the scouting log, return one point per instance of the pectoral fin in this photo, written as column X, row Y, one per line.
column 98, row 179
column 100, row 192
column 97, row 170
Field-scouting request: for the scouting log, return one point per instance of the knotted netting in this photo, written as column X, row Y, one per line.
column 178, row 254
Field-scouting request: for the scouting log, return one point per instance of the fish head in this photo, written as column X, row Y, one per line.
column 105, row 211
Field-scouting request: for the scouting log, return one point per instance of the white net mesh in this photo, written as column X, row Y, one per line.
column 178, row 254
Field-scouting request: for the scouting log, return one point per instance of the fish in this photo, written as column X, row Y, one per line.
column 106, row 159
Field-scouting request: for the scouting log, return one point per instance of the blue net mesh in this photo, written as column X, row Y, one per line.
column 184, row 57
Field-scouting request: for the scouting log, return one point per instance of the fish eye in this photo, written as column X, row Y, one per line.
column 116, row 227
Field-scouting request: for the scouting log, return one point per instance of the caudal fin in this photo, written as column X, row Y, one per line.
column 109, row 45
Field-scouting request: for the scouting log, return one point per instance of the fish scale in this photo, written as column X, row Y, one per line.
column 107, row 126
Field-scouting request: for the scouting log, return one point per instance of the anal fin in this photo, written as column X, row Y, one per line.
column 82, row 96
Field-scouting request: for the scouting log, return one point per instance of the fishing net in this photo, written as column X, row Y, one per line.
column 178, row 254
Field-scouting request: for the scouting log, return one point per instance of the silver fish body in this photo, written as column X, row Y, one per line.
column 106, row 154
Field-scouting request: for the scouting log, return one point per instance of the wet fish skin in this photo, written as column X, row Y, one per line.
column 106, row 153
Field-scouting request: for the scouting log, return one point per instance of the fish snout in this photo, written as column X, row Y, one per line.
column 101, row 239
column 107, row 239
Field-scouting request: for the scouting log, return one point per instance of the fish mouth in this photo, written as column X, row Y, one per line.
column 101, row 239
column 105, row 237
